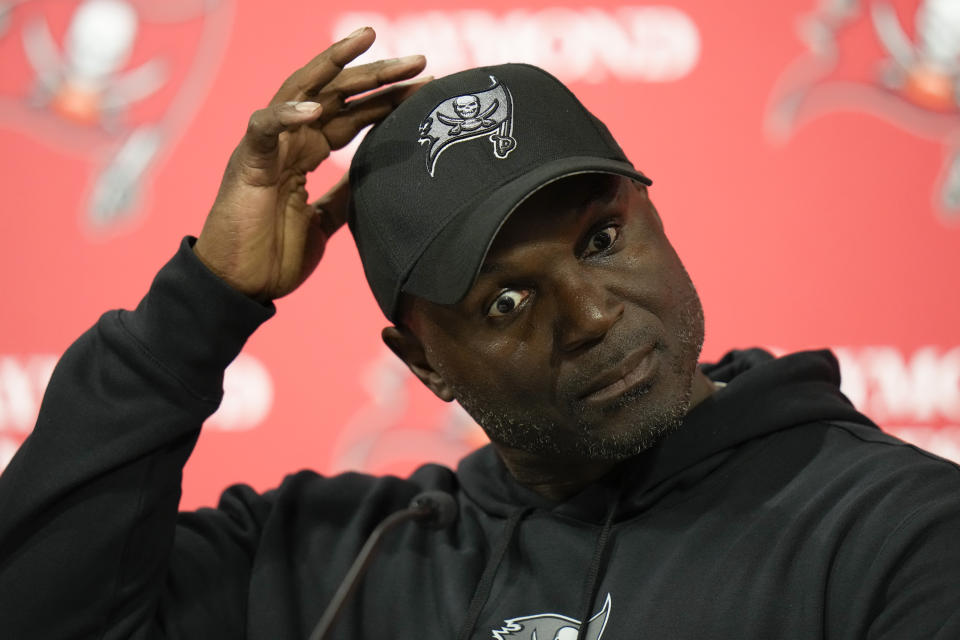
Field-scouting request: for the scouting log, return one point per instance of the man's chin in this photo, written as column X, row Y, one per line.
column 609, row 442
column 618, row 446
column 621, row 429
column 637, row 421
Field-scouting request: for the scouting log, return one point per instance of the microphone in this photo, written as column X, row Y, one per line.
column 435, row 509
column 430, row 509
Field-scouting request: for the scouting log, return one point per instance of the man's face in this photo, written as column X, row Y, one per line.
column 580, row 337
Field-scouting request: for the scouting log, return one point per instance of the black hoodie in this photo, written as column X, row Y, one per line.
column 775, row 511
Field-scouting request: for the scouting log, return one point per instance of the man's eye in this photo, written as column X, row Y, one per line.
column 602, row 240
column 507, row 302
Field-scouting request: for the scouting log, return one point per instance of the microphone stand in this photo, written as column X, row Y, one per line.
column 423, row 508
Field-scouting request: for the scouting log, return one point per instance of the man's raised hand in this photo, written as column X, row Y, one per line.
column 262, row 236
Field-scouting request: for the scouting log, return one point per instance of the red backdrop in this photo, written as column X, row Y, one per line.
column 803, row 154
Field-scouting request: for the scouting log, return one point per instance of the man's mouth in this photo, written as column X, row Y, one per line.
column 636, row 370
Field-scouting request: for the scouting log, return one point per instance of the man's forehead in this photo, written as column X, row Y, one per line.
column 570, row 196
column 578, row 193
column 578, row 190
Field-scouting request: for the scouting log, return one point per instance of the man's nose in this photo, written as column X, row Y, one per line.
column 586, row 310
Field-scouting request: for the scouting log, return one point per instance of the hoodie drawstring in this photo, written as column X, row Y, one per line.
column 482, row 592
column 593, row 573
column 599, row 561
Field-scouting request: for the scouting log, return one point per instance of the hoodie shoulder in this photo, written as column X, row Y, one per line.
column 860, row 434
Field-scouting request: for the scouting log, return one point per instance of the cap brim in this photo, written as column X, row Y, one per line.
column 449, row 265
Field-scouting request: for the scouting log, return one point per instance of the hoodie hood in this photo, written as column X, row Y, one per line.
column 763, row 395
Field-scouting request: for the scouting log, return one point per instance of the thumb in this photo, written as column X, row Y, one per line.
column 266, row 125
column 332, row 206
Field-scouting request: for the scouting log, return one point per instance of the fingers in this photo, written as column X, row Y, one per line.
column 347, row 123
column 371, row 76
column 342, row 128
column 325, row 80
column 324, row 67
column 266, row 125
column 362, row 80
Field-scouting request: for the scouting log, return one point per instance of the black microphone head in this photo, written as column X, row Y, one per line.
column 437, row 509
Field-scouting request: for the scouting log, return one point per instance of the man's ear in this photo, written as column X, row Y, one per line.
column 408, row 348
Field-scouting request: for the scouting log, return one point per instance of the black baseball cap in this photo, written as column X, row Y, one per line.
column 436, row 179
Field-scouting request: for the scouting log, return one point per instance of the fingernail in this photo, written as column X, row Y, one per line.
column 357, row 32
column 404, row 60
column 306, row 107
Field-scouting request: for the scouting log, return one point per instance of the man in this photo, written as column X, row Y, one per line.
column 526, row 274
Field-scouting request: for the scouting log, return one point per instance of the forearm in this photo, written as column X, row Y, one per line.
column 90, row 500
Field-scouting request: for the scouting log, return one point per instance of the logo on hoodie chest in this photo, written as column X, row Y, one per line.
column 553, row 626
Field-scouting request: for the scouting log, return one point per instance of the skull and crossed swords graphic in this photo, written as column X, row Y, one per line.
column 467, row 107
column 477, row 114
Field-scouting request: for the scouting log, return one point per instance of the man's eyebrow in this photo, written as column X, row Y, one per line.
column 491, row 267
column 607, row 191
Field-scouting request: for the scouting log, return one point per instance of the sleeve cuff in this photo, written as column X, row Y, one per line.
column 193, row 322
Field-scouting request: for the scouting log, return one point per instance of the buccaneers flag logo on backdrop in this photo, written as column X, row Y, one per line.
column 898, row 60
column 114, row 82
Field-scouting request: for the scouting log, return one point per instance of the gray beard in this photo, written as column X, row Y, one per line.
column 542, row 437
column 520, row 429
column 528, row 434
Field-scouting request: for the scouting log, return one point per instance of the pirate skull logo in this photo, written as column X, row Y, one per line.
column 467, row 108
column 479, row 114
